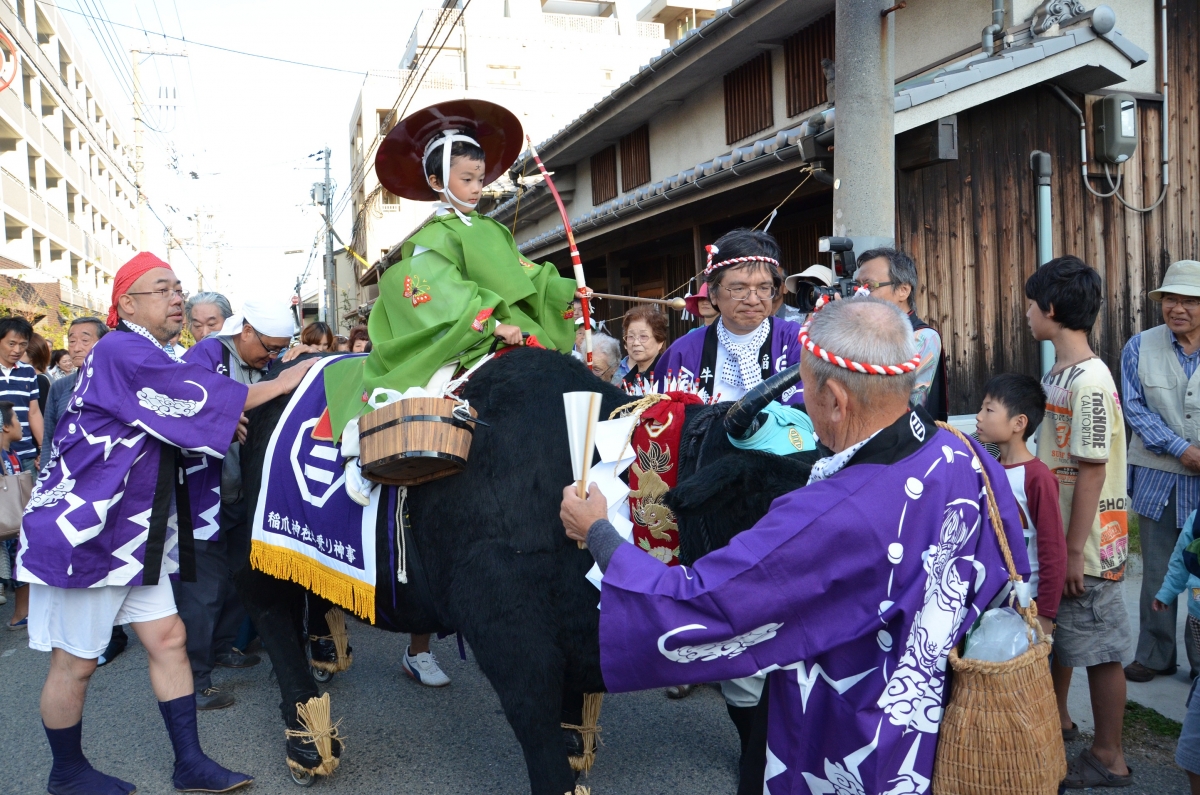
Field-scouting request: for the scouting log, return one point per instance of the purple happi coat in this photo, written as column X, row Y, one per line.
column 687, row 359
column 203, row 470
column 850, row 592
column 106, row 499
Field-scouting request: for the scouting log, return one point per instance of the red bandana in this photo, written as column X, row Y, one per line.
column 129, row 273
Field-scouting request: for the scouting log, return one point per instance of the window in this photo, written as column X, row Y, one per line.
column 501, row 75
column 802, row 55
column 748, row 106
column 604, row 176
column 635, row 158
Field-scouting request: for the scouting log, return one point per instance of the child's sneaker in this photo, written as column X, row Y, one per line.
column 424, row 669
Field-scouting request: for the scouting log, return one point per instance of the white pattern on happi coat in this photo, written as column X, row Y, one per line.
column 712, row 651
column 167, row 406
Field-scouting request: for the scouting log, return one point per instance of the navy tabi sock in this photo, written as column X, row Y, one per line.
column 72, row 774
column 194, row 772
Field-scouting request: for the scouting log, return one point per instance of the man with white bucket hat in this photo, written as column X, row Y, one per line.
column 1160, row 388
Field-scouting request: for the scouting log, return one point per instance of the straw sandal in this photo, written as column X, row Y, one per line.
column 1087, row 771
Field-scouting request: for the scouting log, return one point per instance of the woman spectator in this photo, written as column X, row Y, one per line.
column 206, row 313
column 606, row 354
column 61, row 359
column 645, row 339
column 319, row 335
column 342, row 343
column 37, row 356
column 360, row 342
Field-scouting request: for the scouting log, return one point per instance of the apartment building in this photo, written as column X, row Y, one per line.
column 66, row 172
column 545, row 60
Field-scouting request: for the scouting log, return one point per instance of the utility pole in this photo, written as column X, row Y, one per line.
column 864, row 157
column 138, row 133
column 331, row 303
column 199, row 252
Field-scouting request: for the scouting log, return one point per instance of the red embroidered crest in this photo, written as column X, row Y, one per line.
column 481, row 318
column 569, row 314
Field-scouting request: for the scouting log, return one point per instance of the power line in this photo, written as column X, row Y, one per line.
column 360, row 172
column 215, row 46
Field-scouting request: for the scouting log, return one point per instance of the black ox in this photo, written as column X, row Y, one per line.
column 488, row 556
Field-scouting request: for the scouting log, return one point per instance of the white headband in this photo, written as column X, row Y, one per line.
column 446, row 141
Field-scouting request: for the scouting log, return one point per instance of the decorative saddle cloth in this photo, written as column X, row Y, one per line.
column 305, row 527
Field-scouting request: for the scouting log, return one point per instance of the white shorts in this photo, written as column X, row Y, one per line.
column 80, row 620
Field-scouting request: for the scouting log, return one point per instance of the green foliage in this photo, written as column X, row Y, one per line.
column 1152, row 721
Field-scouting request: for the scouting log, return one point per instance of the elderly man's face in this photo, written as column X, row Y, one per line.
column 206, row 319
column 744, row 298
column 1181, row 313
column 602, row 367
column 876, row 272
column 80, row 339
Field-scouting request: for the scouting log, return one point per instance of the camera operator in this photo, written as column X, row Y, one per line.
column 891, row 275
column 808, row 285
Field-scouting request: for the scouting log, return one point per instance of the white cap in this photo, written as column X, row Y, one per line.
column 819, row 273
column 271, row 318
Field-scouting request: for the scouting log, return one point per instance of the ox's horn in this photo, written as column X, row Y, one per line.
column 742, row 420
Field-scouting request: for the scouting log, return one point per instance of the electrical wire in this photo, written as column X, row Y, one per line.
column 360, row 172
column 1161, row 195
column 215, row 46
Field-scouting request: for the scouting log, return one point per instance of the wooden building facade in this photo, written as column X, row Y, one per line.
column 970, row 224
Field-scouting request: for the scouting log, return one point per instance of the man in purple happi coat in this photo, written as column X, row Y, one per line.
column 746, row 344
column 110, row 516
column 849, row 593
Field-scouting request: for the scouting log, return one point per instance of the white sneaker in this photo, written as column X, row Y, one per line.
column 424, row 669
column 358, row 487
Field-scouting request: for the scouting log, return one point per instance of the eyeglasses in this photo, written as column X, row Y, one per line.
column 164, row 293
column 742, row 292
column 872, row 286
column 272, row 350
column 603, row 373
column 1172, row 301
column 640, row 340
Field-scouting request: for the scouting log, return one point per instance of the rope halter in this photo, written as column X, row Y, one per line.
column 849, row 364
column 446, row 141
column 714, row 266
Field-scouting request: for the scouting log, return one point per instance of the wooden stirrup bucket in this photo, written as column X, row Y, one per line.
column 414, row 441
column 1000, row 733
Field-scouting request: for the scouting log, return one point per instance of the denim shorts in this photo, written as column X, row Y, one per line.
column 1187, row 753
column 1094, row 628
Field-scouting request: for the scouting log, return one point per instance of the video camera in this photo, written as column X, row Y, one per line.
column 844, row 265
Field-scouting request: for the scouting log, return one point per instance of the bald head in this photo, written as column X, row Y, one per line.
column 844, row 403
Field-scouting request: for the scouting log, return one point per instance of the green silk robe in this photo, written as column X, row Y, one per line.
column 433, row 309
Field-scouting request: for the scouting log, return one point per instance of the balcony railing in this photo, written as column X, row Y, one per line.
column 571, row 23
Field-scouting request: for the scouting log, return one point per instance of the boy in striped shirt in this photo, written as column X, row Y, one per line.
column 18, row 385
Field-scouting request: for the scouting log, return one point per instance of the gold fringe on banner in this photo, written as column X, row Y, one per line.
column 344, row 591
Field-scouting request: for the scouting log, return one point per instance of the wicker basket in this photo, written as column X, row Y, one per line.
column 1000, row 734
column 414, row 441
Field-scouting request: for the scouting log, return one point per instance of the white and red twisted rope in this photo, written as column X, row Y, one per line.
column 710, row 266
column 849, row 364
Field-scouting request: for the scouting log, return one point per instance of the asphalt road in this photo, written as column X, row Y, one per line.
column 400, row 737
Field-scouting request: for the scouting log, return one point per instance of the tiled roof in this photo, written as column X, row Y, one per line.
column 784, row 145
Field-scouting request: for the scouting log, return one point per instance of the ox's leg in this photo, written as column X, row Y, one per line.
column 277, row 609
column 500, row 602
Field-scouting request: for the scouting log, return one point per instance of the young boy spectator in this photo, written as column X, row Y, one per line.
column 1184, row 575
column 1082, row 441
column 1013, row 406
